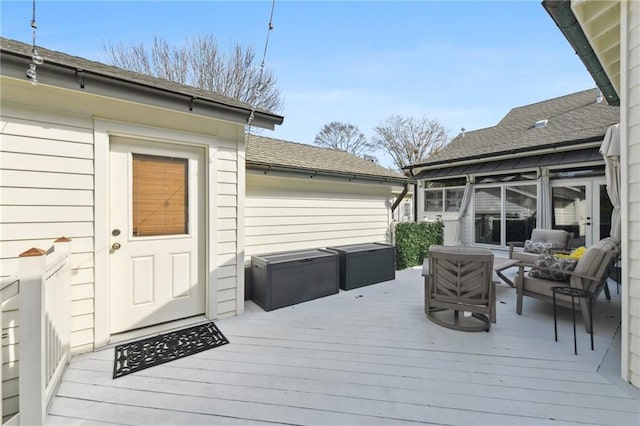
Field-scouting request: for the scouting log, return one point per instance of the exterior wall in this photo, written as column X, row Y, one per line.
column 405, row 210
column 230, row 279
column 630, row 152
column 46, row 191
column 52, row 184
column 290, row 213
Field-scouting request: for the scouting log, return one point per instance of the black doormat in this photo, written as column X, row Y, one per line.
column 135, row 356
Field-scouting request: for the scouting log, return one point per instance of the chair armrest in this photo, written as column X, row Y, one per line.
column 512, row 245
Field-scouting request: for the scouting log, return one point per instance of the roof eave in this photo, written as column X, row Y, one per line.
column 268, row 167
column 96, row 83
column 561, row 13
column 522, row 152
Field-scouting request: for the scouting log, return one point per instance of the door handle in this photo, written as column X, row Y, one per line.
column 588, row 223
column 115, row 246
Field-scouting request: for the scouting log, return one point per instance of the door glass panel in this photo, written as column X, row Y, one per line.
column 160, row 203
column 570, row 211
column 520, row 211
column 488, row 203
column 606, row 208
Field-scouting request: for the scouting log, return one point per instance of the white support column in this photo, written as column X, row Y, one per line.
column 32, row 345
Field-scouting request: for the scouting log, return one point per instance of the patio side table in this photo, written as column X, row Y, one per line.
column 573, row 293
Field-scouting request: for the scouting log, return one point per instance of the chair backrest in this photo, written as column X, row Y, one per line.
column 558, row 237
column 596, row 262
column 460, row 274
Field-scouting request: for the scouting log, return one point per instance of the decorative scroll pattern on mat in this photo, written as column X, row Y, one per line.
column 135, row 356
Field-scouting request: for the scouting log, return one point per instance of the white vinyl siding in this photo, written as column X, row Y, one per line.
column 226, row 240
column 294, row 213
column 46, row 192
column 631, row 120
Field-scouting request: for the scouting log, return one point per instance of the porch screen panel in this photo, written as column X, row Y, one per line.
column 160, row 196
column 520, row 212
column 488, row 212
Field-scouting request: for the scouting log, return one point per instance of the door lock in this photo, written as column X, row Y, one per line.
column 115, row 246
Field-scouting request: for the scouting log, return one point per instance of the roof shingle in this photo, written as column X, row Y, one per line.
column 275, row 152
column 571, row 118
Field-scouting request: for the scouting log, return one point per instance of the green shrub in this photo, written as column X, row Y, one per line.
column 413, row 241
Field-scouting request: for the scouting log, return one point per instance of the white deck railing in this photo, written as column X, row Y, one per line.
column 44, row 324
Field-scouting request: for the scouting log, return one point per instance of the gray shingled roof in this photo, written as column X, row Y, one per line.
column 571, row 119
column 76, row 62
column 265, row 151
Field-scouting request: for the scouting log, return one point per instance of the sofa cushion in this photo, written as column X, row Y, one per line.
column 592, row 258
column 558, row 237
column 557, row 263
column 537, row 247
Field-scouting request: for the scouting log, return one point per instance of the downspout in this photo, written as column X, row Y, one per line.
column 400, row 198
column 561, row 13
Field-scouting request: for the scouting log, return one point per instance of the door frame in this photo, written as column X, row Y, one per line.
column 592, row 199
column 103, row 131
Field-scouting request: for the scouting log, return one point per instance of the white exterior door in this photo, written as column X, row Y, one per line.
column 582, row 207
column 157, row 211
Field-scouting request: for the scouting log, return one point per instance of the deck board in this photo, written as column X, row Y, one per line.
column 366, row 356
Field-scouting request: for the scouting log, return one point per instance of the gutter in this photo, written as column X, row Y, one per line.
column 561, row 13
column 267, row 168
column 94, row 82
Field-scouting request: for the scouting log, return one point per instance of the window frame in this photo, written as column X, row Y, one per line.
column 503, row 208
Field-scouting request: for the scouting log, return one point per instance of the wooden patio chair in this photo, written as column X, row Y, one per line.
column 459, row 280
column 590, row 274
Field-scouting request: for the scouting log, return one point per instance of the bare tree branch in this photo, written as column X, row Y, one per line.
column 409, row 140
column 343, row 137
column 200, row 62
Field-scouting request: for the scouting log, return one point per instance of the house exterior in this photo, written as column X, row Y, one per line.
column 540, row 166
column 300, row 196
column 146, row 177
column 606, row 37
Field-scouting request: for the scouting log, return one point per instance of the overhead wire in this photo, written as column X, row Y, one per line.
column 259, row 86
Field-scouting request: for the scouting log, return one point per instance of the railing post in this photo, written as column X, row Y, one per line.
column 32, row 345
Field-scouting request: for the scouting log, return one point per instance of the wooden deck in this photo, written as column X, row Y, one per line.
column 369, row 356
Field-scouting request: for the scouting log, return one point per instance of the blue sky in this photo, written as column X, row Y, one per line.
column 465, row 64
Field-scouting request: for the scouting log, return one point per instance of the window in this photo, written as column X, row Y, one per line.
column 504, row 213
column 407, row 210
column 453, row 199
column 487, row 215
column 444, row 195
column 520, row 212
column 160, row 205
column 433, row 200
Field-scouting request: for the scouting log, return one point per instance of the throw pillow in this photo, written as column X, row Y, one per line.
column 554, row 262
column 537, row 247
column 575, row 254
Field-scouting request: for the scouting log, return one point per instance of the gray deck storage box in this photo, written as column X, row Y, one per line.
column 364, row 264
column 284, row 279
